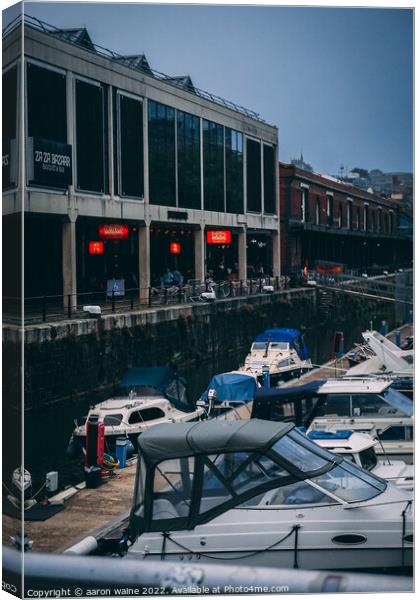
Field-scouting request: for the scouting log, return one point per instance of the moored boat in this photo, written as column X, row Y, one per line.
column 261, row 493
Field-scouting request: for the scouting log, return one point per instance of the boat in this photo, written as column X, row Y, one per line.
column 369, row 405
column 146, row 397
column 383, row 356
column 360, row 449
column 283, row 351
column 228, row 391
column 260, row 493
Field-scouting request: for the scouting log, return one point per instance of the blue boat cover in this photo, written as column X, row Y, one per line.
column 288, row 393
column 282, row 334
column 232, row 386
column 160, row 378
column 342, row 434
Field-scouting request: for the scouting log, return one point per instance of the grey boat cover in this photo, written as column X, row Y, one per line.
column 176, row 440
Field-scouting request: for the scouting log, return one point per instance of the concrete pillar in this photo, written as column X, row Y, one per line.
column 144, row 261
column 200, row 254
column 69, row 262
column 242, row 255
column 276, row 254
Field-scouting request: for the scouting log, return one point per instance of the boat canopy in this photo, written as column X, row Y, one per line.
column 168, row 441
column 291, row 336
column 269, row 402
column 232, row 386
column 163, row 379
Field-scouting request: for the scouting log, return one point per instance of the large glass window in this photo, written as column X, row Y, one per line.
column 130, row 146
column 213, row 166
column 234, row 171
column 253, row 176
column 161, row 154
column 351, row 484
column 269, row 180
column 302, row 458
column 90, row 136
column 188, row 146
column 46, row 93
column 338, row 405
column 9, row 133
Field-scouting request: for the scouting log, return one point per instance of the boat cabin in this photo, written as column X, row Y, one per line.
column 189, row 473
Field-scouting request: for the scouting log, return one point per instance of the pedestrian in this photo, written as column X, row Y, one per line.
column 167, row 279
column 177, row 277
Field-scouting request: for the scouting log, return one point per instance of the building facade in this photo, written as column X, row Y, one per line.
column 325, row 223
column 126, row 172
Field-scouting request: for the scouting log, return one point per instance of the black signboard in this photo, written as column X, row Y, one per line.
column 49, row 164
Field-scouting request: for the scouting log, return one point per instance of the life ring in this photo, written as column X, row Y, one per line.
column 109, row 462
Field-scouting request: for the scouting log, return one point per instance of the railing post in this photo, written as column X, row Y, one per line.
column 44, row 310
column 113, row 301
column 230, row 288
column 166, row 295
column 277, row 283
column 250, row 287
column 241, row 287
column 260, row 286
column 180, row 294
column 69, row 306
column 131, row 302
column 150, row 297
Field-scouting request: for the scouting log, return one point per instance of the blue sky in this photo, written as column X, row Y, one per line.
column 337, row 82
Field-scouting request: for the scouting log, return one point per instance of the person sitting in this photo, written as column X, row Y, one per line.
column 167, row 279
column 177, row 277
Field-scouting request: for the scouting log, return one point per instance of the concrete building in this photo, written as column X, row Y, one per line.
column 126, row 172
column 326, row 223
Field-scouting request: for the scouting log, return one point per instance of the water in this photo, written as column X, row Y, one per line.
column 47, row 434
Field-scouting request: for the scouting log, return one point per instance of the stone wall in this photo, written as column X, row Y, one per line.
column 67, row 361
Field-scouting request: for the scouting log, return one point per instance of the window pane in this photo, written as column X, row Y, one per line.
column 298, row 456
column 350, row 483
column 172, row 488
column 46, row 92
column 295, row 493
column 213, row 166
column 253, row 176
column 90, row 137
column 338, row 405
column 131, row 147
column 161, row 154
column 234, row 172
column 269, row 181
column 9, row 97
column 188, row 146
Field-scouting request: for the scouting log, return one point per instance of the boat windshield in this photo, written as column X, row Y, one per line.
column 350, row 483
column 401, row 404
column 271, row 346
column 301, row 453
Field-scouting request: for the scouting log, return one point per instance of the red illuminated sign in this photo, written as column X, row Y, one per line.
column 219, row 237
column 113, row 231
column 175, row 248
column 96, row 247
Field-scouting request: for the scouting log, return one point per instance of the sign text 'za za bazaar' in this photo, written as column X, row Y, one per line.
column 49, row 163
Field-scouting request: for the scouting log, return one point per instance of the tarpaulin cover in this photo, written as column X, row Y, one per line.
column 232, row 386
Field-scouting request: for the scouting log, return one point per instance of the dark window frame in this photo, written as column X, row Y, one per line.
column 119, row 95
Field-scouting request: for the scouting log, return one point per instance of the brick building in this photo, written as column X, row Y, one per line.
column 323, row 219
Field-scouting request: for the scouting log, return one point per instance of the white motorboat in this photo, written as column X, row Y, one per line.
column 228, row 391
column 260, row 493
column 360, row 449
column 385, row 357
column 148, row 396
column 282, row 351
column 369, row 405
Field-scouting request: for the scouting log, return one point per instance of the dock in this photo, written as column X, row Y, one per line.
column 90, row 511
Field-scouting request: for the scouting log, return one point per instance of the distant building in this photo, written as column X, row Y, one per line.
column 301, row 164
column 325, row 220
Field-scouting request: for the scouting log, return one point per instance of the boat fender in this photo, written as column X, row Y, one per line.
column 85, row 546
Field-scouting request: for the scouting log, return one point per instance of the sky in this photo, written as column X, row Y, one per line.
column 337, row 82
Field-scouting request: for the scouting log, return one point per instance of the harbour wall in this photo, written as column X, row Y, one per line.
column 69, row 361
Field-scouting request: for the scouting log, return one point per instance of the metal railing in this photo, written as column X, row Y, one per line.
column 46, row 308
